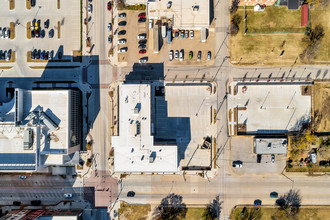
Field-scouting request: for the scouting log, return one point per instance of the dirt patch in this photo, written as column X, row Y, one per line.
column 28, row 30
column 58, row 4
column 306, row 90
column 28, row 4
column 58, row 29
column 11, row 4
column 138, row 212
column 12, row 30
column 321, row 106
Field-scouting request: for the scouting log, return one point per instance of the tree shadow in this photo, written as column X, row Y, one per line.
column 213, row 210
column 171, row 207
column 290, row 202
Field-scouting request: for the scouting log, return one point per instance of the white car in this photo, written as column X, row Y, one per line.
column 7, row 56
column 176, row 55
column 171, row 55
column 141, row 36
column 143, row 60
column 109, row 26
column 191, row 34
column 237, row 163
column 181, row 55
column 122, row 41
column 123, row 50
column 68, row 195
column 90, row 9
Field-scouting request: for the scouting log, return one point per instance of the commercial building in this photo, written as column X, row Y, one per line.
column 38, row 129
column 270, row 145
column 185, row 14
column 134, row 148
column 44, row 214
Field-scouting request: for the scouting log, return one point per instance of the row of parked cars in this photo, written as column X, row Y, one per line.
column 36, row 30
column 179, row 55
column 5, row 32
column 42, row 55
column 5, row 55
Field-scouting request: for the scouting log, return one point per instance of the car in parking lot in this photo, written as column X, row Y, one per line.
column 33, row 3
column 7, row 55
column 123, row 50
column 186, row 34
column 109, row 5
column 209, row 55
column 122, row 41
column 131, row 194
column 122, row 23
column 68, row 195
column 51, row 33
column 257, row 202
column 109, row 26
column 142, row 46
column 182, row 34
column 141, row 36
column 191, row 54
column 199, row 55
column 22, row 177
column 36, row 202
column 170, row 56
column 237, row 163
column 122, row 15
column 176, row 55
column 42, row 33
column 142, row 15
column 191, row 34
column 42, row 54
column 109, row 39
column 37, row 55
column 122, row 32
column 143, row 41
column 1, row 35
column 37, row 33
column 46, row 24
column 273, row 158
column 50, row 55
column 181, row 55
column 259, row 156
column 33, row 55
column 33, row 33
column 90, row 8
column 141, row 20
column 273, row 195
column 142, row 60
column 143, row 51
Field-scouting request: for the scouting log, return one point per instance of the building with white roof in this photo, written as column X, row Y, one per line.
column 39, row 128
column 185, row 14
column 134, row 148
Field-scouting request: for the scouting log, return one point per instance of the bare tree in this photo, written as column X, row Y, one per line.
column 171, row 207
column 290, row 203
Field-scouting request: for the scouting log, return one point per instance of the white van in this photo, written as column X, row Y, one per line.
column 150, row 24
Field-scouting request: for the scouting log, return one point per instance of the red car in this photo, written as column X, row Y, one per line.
column 142, row 15
column 142, row 51
column 109, row 6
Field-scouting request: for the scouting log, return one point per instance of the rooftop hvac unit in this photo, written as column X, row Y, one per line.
column 28, row 138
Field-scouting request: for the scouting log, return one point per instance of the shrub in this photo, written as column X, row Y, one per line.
column 235, row 21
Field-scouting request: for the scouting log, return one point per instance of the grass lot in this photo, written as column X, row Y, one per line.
column 266, row 49
column 304, row 213
column 194, row 213
column 321, row 105
column 274, row 19
column 137, row 212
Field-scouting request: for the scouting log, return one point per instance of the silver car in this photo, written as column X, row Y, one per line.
column 176, row 55
column 122, row 41
column 171, row 55
column 181, row 55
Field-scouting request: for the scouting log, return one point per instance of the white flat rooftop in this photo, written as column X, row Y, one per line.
column 272, row 108
column 134, row 149
column 185, row 13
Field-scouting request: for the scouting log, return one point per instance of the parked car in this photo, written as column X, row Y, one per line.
column 199, row 55
column 141, row 20
column 141, row 36
column 273, row 195
column 182, row 34
column 16, row 203
column 150, row 24
column 181, row 55
column 237, row 163
column 122, row 32
column 191, row 54
column 50, row 55
column 186, row 34
column 191, row 34
column 131, row 194
column 176, row 34
column 33, row 55
column 123, row 50
column 42, row 55
column 142, row 15
column 176, row 55
column 1, row 35
column 33, row 3
column 143, row 51
column 109, row 39
column 122, row 15
column 2, row 55
column 7, row 55
column 259, row 158
column 38, row 55
column 22, row 177
column 51, row 33
column 46, row 55
column 324, row 163
column 46, row 24
column 209, row 55
column 257, row 202
column 109, row 26
column 122, row 23
column 90, row 8
column 68, row 195
column 142, row 46
column 36, row 202
column 122, row 41
column 143, row 60
column 37, row 31
column 143, row 41
column 33, row 33
column 109, row 5
column 170, row 56
column 42, row 33
column 273, row 158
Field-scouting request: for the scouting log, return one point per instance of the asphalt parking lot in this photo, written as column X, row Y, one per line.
column 63, row 22
column 241, row 148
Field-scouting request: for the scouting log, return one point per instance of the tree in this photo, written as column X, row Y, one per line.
column 171, row 207
column 212, row 210
column 234, row 6
column 312, row 41
column 251, row 214
column 235, row 21
column 289, row 204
